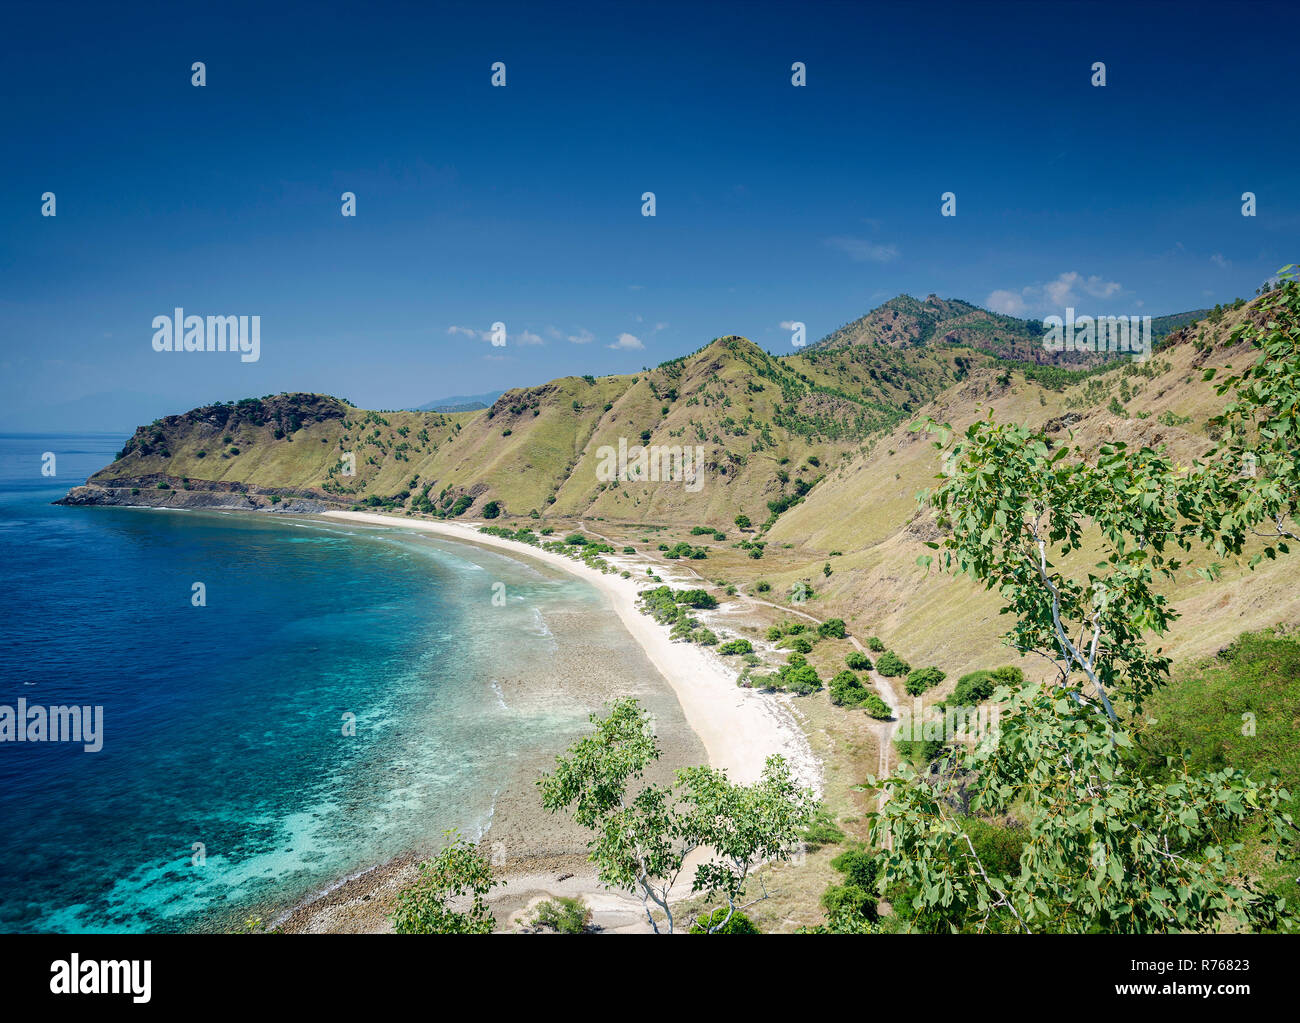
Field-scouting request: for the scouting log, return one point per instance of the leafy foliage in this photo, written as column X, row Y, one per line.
column 455, row 872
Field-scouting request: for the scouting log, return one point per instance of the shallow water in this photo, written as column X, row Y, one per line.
column 226, row 784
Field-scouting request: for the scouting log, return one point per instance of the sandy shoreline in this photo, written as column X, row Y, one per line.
column 739, row 727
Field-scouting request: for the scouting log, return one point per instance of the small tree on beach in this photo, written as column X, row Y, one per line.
column 456, row 872
column 642, row 839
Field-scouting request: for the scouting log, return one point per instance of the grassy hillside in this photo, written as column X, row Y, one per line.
column 814, row 448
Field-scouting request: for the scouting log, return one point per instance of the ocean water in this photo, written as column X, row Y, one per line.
column 226, row 784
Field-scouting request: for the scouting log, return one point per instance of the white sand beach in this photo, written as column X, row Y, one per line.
column 739, row 727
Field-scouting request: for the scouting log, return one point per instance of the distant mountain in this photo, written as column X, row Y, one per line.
column 905, row 322
column 460, row 402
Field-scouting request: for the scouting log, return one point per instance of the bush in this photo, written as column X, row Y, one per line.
column 1009, row 675
column 891, row 665
column 847, row 690
column 822, row 831
column 998, row 847
column 491, row 510
column 858, row 661
column 774, row 633
column 763, row 586
column 877, row 708
column 799, row 679
column 874, row 645
column 738, row 924
column 832, row 628
column 974, row 687
column 736, row 646
column 922, row 679
column 849, row 900
column 563, row 915
column 859, row 868
column 742, row 521
column 919, row 752
column 697, row 599
column 798, row 644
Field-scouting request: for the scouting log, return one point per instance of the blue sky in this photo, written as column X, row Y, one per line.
column 523, row 204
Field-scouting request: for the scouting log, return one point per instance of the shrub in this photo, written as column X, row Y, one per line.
column 922, row 679
column 738, row 924
column 847, row 690
column 736, row 646
column 822, row 831
column 774, row 633
column 799, row 679
column 798, row 644
column 763, row 586
column 849, row 900
column 832, row 628
column 1009, row 675
column 697, row 599
column 563, row 915
column 891, row 665
column 859, row 868
column 576, row 540
column 919, row 752
column 858, row 661
column 491, row 510
column 874, row 645
column 742, row 521
column 877, row 707
column 974, row 687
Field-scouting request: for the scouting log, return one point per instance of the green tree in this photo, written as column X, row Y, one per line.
column 455, row 872
column 641, row 840
column 891, row 665
column 1106, row 847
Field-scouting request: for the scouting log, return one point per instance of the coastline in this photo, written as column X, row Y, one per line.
column 739, row 727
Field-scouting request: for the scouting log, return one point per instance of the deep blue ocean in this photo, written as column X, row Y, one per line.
column 223, row 724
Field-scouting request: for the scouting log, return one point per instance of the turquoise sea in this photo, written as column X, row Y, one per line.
column 226, row 784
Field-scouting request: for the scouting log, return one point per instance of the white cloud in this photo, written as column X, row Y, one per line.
column 787, row 324
column 860, row 250
column 1218, row 260
column 627, row 342
column 582, row 337
column 1008, row 302
column 1068, row 289
column 467, row 331
column 527, row 338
